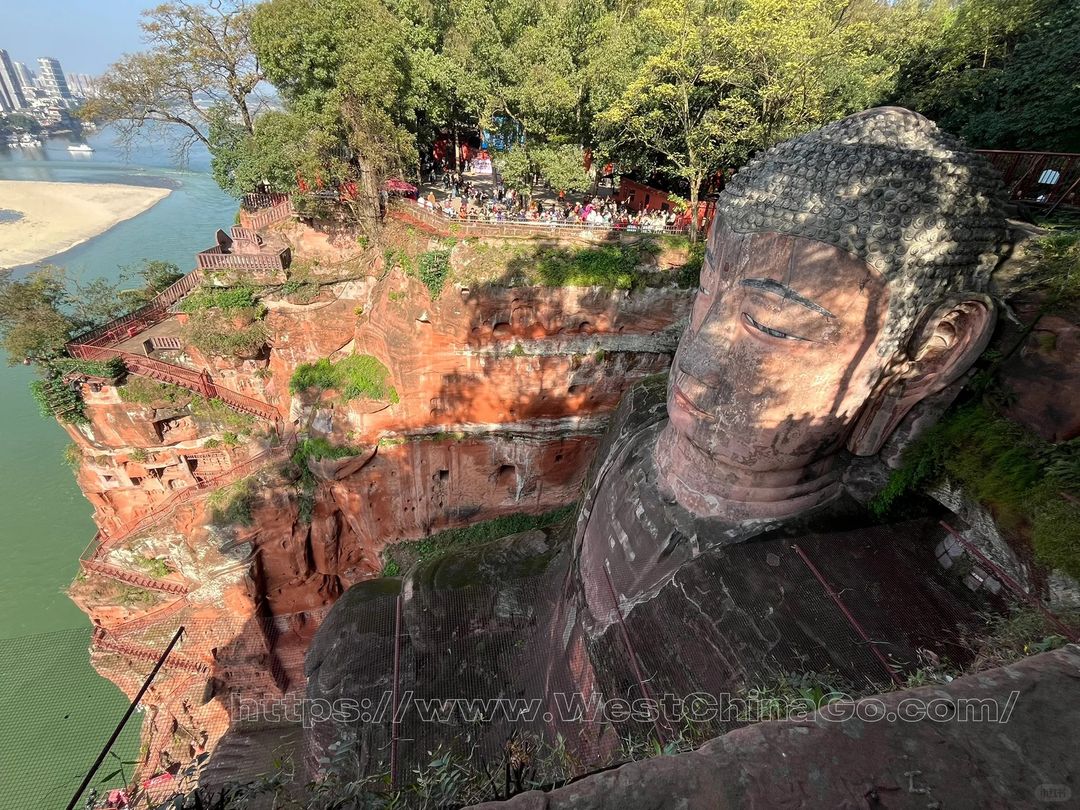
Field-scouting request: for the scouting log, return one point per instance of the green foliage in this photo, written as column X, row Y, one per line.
column 138, row 454
column 144, row 391
column 34, row 315
column 1021, row 479
column 219, row 298
column 358, row 376
column 233, row 504
column 562, row 167
column 131, row 597
column 155, row 567
column 437, row 544
column 611, row 266
column 194, row 50
column 998, row 72
column 433, row 267
column 216, row 332
column 217, row 413
column 109, row 369
column 57, row 400
column 73, row 455
column 313, row 448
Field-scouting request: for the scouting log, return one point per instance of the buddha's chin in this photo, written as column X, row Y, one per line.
column 709, row 486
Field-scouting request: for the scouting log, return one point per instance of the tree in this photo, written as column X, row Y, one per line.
column 721, row 78
column 343, row 66
column 1001, row 73
column 197, row 53
column 32, row 320
column 685, row 102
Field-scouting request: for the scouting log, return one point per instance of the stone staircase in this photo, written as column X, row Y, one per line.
column 134, row 578
column 198, row 381
column 104, row 641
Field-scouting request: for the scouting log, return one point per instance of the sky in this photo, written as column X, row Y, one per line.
column 85, row 35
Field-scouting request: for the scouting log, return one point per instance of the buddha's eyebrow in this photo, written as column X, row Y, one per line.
column 770, row 285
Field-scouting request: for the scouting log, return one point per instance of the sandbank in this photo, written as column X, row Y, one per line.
column 58, row 216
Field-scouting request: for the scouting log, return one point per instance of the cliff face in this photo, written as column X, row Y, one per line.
column 210, row 517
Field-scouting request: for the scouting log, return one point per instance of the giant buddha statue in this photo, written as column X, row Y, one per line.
column 843, row 283
column 843, row 286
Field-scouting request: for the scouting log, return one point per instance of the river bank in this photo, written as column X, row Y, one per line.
column 55, row 217
column 57, row 710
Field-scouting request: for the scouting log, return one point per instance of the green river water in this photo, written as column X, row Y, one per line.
column 55, row 710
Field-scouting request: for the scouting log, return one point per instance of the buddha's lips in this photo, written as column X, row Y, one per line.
column 685, row 403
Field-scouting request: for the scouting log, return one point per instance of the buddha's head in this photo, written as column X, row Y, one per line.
column 842, row 283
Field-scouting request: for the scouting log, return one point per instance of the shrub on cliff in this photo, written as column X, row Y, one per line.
column 227, row 332
column 219, row 298
column 1028, row 484
column 359, row 376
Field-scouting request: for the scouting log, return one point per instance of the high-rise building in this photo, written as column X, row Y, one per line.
column 26, row 79
column 10, row 86
column 81, row 84
column 52, row 79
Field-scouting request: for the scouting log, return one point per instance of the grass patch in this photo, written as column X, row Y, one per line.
column 401, row 556
column 359, row 376
column 131, row 597
column 618, row 267
column 143, row 391
column 1020, row 478
column 219, row 298
column 155, row 567
column 73, row 455
column 217, row 413
column 233, row 504
column 216, row 331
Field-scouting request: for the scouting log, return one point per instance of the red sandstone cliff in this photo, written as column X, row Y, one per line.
column 501, row 393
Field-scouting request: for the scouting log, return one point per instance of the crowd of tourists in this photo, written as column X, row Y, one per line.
column 464, row 200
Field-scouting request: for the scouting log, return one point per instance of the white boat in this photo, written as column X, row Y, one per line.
column 81, row 148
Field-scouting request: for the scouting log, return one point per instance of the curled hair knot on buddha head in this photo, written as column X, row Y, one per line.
column 888, row 186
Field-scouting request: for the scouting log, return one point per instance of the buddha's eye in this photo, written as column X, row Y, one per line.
column 702, row 290
column 768, row 330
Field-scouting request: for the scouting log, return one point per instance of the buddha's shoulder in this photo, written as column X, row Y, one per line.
column 643, row 405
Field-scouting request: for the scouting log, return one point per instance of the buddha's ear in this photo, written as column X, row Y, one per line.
column 950, row 341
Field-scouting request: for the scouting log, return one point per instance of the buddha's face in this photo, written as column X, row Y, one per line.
column 781, row 351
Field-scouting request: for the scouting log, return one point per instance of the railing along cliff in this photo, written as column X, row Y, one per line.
column 133, row 578
column 144, row 317
column 263, row 210
column 1042, row 178
column 102, row 640
column 103, row 540
column 442, row 225
column 199, row 382
column 214, row 258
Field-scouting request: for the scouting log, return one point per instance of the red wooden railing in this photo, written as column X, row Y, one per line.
column 241, row 234
column 256, row 201
column 164, row 509
column 439, row 223
column 133, row 578
column 1042, row 178
column 144, row 317
column 198, row 381
column 148, row 619
column 264, row 218
column 215, row 259
column 101, row 640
